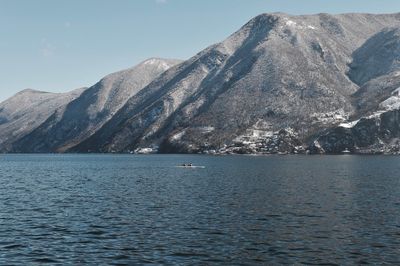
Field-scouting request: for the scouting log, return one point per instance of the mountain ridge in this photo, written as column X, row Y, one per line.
column 277, row 85
column 95, row 105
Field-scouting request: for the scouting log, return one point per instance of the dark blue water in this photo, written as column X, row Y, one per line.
column 120, row 209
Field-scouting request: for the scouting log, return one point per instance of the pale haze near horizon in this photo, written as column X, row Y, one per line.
column 59, row 46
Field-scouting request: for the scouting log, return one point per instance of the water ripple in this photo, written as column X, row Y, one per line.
column 239, row 210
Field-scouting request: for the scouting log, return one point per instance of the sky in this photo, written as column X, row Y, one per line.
column 61, row 45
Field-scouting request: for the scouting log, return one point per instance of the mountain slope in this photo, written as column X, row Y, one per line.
column 278, row 72
column 26, row 110
column 83, row 116
column 374, row 127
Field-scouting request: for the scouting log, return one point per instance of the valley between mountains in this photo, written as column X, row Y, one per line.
column 319, row 84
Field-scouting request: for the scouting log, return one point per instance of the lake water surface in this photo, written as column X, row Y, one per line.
column 125, row 209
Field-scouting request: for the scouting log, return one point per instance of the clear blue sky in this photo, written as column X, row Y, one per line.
column 59, row 45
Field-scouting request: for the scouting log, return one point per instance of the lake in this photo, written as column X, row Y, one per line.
column 252, row 210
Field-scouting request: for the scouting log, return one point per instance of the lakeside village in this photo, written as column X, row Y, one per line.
column 254, row 142
column 260, row 140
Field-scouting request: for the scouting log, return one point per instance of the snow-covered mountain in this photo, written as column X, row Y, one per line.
column 26, row 110
column 95, row 106
column 281, row 83
column 269, row 87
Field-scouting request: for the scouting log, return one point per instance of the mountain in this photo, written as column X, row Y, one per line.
column 95, row 106
column 280, row 84
column 26, row 110
column 275, row 85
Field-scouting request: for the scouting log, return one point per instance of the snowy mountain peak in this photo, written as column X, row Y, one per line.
column 160, row 62
column 265, row 20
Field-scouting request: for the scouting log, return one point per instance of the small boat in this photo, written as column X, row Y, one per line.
column 190, row 165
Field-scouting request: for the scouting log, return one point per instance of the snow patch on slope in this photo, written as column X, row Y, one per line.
column 349, row 124
column 293, row 24
column 393, row 102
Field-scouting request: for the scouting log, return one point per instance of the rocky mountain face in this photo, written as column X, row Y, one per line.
column 280, row 84
column 379, row 133
column 374, row 126
column 26, row 110
column 96, row 105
